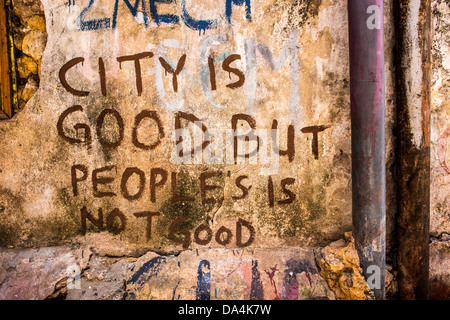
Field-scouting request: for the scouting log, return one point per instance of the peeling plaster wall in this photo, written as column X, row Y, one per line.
column 257, row 233
column 294, row 76
column 440, row 156
column 440, row 130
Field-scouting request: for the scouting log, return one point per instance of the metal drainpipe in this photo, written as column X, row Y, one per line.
column 366, row 42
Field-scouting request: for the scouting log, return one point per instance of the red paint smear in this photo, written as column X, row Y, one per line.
column 246, row 269
column 272, row 282
column 442, row 149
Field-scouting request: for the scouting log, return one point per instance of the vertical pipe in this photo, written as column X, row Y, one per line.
column 366, row 41
column 413, row 63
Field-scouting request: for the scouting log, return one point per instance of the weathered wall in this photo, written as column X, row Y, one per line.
column 304, row 201
column 97, row 269
column 92, row 173
column 440, row 156
column 269, row 64
column 440, row 200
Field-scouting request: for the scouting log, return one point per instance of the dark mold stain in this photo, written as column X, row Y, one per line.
column 10, row 226
column 195, row 212
column 305, row 9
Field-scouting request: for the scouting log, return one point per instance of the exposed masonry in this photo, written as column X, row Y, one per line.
column 332, row 272
column 30, row 38
column 101, row 278
column 443, row 237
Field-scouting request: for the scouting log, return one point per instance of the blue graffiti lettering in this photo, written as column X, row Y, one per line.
column 103, row 23
column 203, row 281
column 165, row 18
column 194, row 23
column 133, row 10
column 229, row 10
column 139, row 12
column 71, row 3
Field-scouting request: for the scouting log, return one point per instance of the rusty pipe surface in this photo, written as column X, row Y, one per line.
column 367, row 91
